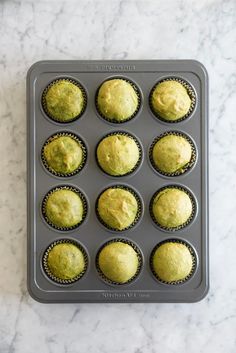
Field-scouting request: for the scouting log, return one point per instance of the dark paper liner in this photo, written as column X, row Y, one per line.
column 139, row 210
column 138, row 252
column 190, row 219
column 122, row 133
column 191, row 93
column 44, row 105
column 183, row 169
column 192, row 252
column 65, row 187
column 137, row 91
column 50, row 274
column 75, row 138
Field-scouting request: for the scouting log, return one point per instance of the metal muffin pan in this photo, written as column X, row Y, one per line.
column 91, row 180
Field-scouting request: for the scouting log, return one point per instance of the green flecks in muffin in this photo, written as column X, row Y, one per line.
column 172, row 153
column 117, row 208
column 65, row 261
column 118, row 262
column 170, row 100
column 64, row 100
column 63, row 154
column 117, row 100
column 64, row 208
column 172, row 262
column 172, row 208
column 118, row 154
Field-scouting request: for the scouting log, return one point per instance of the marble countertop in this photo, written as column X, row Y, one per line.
column 153, row 29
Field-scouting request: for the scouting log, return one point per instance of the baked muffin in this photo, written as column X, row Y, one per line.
column 118, row 154
column 63, row 100
column 63, row 155
column 172, row 262
column 118, row 262
column 64, row 208
column 117, row 208
column 65, row 261
column 171, row 154
column 170, row 100
column 172, row 208
column 117, row 100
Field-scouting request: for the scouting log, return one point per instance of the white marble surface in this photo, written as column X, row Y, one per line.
column 31, row 31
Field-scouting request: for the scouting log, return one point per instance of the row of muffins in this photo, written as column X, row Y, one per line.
column 119, row 154
column 118, row 100
column 120, row 261
column 119, row 207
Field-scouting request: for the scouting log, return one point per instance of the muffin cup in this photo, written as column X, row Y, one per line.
column 75, row 138
column 139, row 210
column 192, row 252
column 137, row 91
column 64, row 187
column 191, row 93
column 138, row 143
column 140, row 260
column 190, row 219
column 49, row 273
column 185, row 168
column 44, row 105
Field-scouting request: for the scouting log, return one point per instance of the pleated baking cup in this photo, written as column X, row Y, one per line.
column 64, row 187
column 75, row 138
column 189, row 220
column 140, row 261
column 138, row 143
column 47, row 270
column 137, row 91
column 44, row 104
column 187, row 167
column 139, row 208
column 191, row 93
column 194, row 261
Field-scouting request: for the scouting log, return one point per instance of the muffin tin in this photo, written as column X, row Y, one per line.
column 91, row 181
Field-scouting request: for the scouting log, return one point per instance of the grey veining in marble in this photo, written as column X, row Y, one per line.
column 153, row 29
